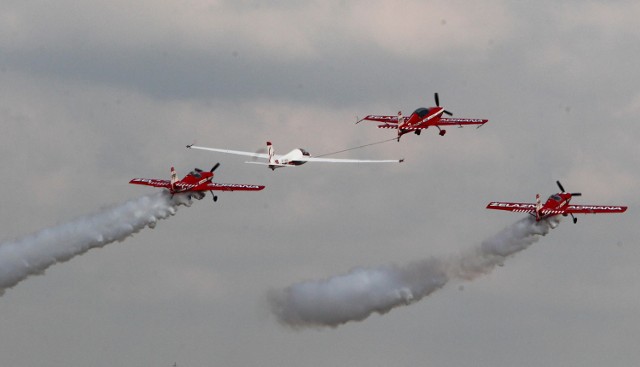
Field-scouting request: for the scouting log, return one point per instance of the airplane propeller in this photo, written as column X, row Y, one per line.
column 438, row 104
column 562, row 189
column 575, row 220
column 214, row 196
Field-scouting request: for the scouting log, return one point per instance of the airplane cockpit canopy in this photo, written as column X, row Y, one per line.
column 555, row 197
column 422, row 111
column 304, row 152
column 195, row 173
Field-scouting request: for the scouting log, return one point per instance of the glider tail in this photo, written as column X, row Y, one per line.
column 270, row 152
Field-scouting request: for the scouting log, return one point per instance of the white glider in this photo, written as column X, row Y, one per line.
column 295, row 157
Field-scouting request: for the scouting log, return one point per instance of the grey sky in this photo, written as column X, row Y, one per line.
column 96, row 93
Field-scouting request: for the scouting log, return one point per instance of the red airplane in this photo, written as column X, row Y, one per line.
column 195, row 183
column 421, row 119
column 556, row 204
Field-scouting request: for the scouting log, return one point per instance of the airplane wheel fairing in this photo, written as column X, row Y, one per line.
column 442, row 132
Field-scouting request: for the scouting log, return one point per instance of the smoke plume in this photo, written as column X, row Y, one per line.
column 356, row 295
column 32, row 254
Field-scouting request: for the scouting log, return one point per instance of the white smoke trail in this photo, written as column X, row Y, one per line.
column 34, row 253
column 363, row 291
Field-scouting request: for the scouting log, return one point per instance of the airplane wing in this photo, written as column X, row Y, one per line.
column 445, row 121
column 227, row 151
column 214, row 186
column 594, row 209
column 338, row 160
column 151, row 182
column 379, row 118
column 513, row 207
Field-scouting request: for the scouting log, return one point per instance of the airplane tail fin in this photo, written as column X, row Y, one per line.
column 271, row 152
column 400, row 122
column 174, row 178
column 538, row 206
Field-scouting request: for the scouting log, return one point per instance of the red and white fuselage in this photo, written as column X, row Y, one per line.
column 295, row 157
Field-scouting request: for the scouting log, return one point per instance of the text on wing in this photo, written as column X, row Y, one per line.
column 512, row 205
column 583, row 207
column 241, row 186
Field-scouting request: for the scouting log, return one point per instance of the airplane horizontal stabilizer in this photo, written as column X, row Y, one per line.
column 269, row 164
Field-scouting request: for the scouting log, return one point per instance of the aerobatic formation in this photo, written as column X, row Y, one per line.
column 330, row 302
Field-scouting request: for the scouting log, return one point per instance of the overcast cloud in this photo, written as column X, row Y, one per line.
column 95, row 93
